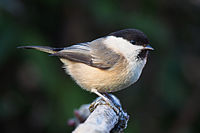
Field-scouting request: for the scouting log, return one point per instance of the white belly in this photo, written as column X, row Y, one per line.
column 112, row 80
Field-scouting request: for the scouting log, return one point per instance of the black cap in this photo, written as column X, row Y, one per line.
column 136, row 37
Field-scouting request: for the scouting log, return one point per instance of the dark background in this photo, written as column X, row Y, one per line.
column 36, row 96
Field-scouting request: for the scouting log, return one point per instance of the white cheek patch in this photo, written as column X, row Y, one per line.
column 122, row 46
column 130, row 52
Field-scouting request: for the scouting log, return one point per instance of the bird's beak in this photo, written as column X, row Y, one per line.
column 148, row 47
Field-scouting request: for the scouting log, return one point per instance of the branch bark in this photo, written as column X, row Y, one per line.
column 104, row 118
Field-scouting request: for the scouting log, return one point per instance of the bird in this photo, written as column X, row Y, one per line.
column 104, row 65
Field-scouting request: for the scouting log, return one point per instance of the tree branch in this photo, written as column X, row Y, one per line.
column 104, row 118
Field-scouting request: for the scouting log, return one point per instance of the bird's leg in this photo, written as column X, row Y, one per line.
column 107, row 100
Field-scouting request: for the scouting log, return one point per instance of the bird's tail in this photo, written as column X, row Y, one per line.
column 42, row 48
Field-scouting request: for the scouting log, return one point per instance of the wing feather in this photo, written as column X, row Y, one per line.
column 92, row 53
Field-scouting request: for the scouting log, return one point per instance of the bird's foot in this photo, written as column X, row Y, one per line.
column 106, row 99
column 113, row 103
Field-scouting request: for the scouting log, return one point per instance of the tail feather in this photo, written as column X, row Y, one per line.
column 42, row 48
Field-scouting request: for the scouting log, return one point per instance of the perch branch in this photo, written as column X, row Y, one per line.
column 104, row 118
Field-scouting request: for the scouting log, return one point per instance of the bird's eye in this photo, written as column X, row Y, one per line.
column 133, row 42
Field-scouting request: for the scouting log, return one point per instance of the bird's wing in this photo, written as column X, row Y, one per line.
column 92, row 53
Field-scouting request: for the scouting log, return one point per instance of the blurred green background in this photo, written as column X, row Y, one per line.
column 36, row 96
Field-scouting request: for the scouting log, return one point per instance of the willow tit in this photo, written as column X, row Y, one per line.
column 107, row 64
